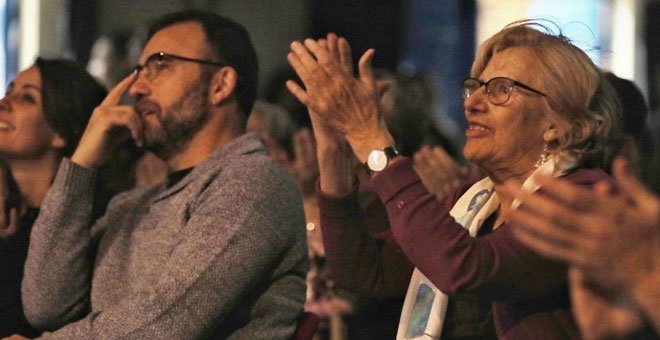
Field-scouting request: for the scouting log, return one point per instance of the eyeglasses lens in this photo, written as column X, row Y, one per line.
column 499, row 90
column 469, row 87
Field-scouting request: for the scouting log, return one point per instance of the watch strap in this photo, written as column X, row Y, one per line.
column 391, row 152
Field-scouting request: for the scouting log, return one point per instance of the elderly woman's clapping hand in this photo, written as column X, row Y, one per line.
column 611, row 240
column 347, row 103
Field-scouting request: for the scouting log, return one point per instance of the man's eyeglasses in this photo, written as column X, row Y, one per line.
column 158, row 61
column 498, row 89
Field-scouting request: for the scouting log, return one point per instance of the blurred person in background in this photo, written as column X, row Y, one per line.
column 276, row 127
column 113, row 55
column 637, row 138
column 406, row 103
column 295, row 150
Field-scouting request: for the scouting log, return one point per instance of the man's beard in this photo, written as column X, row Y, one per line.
column 178, row 124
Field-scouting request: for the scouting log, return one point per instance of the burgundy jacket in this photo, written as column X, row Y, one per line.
column 529, row 293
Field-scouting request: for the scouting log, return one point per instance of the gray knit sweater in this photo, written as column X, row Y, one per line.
column 220, row 254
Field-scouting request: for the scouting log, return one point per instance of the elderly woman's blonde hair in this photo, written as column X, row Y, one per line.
column 581, row 103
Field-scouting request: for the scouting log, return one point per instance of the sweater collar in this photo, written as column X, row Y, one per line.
column 245, row 144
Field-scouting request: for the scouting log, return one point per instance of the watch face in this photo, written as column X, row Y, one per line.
column 377, row 160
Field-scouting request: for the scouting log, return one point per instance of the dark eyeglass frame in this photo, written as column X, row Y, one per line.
column 468, row 90
column 162, row 56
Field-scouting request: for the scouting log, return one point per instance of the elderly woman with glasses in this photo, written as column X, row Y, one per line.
column 535, row 104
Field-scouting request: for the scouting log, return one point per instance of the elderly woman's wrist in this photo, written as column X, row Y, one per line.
column 362, row 144
column 337, row 187
column 336, row 173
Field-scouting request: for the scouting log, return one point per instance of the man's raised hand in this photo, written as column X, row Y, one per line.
column 109, row 125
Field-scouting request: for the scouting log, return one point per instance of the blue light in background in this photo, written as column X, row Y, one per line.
column 440, row 43
column 3, row 46
column 578, row 20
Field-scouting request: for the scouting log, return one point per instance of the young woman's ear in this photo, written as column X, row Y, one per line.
column 223, row 85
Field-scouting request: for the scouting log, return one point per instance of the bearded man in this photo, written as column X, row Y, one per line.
column 215, row 251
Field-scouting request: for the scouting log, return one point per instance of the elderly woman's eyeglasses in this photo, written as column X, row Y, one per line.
column 159, row 61
column 498, row 89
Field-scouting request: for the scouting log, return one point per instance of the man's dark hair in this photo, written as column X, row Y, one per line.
column 229, row 42
column 69, row 96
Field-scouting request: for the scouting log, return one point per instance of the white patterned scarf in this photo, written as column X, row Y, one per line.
column 424, row 308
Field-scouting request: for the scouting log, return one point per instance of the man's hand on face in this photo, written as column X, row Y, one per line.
column 110, row 125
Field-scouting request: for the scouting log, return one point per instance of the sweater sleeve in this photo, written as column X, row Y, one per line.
column 57, row 275
column 496, row 265
column 360, row 250
column 238, row 266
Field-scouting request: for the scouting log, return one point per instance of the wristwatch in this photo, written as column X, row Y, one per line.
column 378, row 159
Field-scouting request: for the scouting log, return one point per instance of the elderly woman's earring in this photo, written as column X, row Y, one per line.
column 543, row 157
